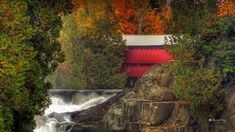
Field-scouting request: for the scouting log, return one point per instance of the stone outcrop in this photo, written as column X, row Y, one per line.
column 146, row 104
column 149, row 106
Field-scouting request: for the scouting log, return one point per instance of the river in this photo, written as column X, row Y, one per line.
column 64, row 101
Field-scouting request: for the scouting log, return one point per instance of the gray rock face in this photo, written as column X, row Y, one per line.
column 56, row 116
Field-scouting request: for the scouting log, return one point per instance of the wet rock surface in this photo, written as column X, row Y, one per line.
column 56, row 116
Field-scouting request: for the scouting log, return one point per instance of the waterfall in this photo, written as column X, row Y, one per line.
column 65, row 101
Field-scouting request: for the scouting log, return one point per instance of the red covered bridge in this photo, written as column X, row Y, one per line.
column 143, row 52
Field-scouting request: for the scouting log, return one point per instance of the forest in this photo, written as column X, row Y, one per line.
column 78, row 44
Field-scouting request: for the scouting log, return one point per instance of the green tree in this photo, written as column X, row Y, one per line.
column 68, row 74
column 97, row 47
column 204, row 57
column 29, row 51
column 16, row 58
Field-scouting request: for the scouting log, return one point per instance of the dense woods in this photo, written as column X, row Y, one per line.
column 204, row 56
column 104, row 18
column 29, row 51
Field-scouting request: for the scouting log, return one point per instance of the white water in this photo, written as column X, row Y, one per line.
column 59, row 106
column 45, row 124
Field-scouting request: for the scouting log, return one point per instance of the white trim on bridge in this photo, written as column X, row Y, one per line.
column 145, row 40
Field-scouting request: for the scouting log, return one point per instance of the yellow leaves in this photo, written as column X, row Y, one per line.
column 88, row 14
column 166, row 13
column 226, row 8
column 2, row 62
column 154, row 22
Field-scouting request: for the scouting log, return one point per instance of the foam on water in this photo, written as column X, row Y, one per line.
column 59, row 106
column 45, row 124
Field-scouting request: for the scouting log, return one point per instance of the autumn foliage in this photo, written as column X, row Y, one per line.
column 152, row 21
column 155, row 21
column 126, row 12
column 227, row 7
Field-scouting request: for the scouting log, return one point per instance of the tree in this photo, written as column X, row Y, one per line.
column 138, row 17
column 154, row 22
column 126, row 12
column 66, row 74
column 16, row 59
column 97, row 47
column 28, row 52
column 204, row 56
column 226, row 8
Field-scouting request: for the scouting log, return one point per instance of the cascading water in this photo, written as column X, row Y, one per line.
column 65, row 101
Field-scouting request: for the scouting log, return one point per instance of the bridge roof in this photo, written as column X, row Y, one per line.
column 145, row 40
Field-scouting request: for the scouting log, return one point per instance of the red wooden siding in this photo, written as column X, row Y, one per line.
column 157, row 56
column 138, row 61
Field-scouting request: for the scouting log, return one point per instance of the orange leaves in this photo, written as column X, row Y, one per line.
column 126, row 11
column 166, row 13
column 87, row 12
column 80, row 3
column 227, row 7
column 153, row 21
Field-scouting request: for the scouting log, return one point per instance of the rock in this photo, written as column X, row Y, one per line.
column 169, row 129
column 97, row 112
column 148, row 105
column 180, row 115
column 65, row 127
column 155, row 83
column 140, row 107
column 56, row 116
column 229, row 113
column 40, row 120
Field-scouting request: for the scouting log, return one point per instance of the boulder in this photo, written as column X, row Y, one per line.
column 40, row 120
column 180, row 116
column 143, row 105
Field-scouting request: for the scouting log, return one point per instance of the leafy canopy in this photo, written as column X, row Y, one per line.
column 204, row 56
column 94, row 48
column 29, row 51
